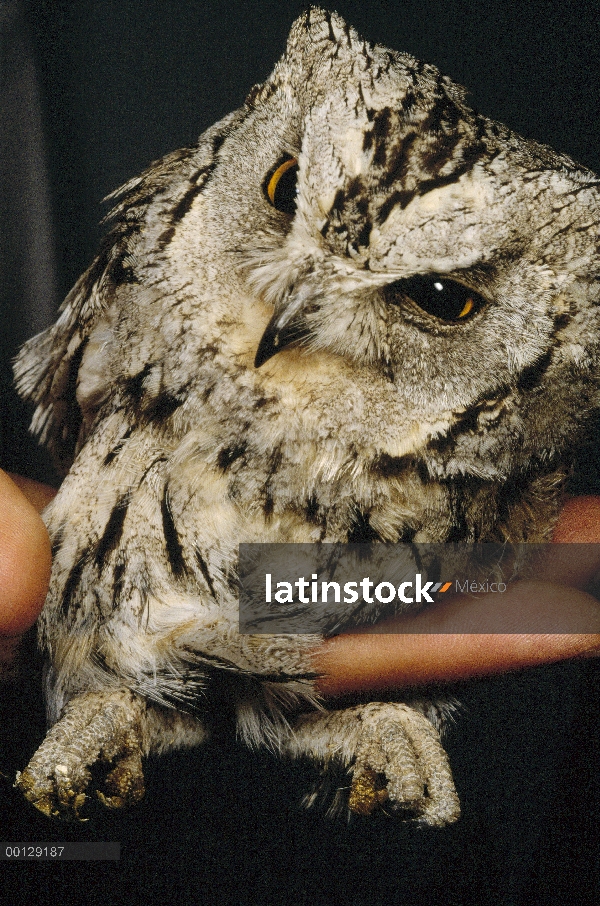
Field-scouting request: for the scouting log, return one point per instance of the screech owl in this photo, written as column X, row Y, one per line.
column 355, row 310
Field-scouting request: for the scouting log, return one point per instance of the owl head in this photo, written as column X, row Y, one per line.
column 390, row 224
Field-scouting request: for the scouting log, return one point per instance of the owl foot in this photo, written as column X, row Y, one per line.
column 394, row 755
column 98, row 734
column 400, row 761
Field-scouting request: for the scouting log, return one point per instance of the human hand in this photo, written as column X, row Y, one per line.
column 24, row 559
column 433, row 646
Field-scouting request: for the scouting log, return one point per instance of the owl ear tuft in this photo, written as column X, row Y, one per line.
column 318, row 33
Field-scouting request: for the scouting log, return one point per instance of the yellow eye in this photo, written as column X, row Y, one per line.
column 438, row 296
column 280, row 186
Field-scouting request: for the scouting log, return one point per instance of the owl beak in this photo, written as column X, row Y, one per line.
column 285, row 327
column 276, row 337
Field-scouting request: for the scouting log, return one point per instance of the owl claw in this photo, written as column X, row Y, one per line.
column 400, row 761
column 394, row 756
column 96, row 728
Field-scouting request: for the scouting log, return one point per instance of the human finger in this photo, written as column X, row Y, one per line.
column 25, row 560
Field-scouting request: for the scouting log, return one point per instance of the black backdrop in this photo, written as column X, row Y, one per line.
column 119, row 83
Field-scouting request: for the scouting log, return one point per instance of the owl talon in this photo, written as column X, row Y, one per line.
column 366, row 792
column 97, row 728
column 394, row 756
column 400, row 745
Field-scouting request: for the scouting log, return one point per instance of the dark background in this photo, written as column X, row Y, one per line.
column 115, row 85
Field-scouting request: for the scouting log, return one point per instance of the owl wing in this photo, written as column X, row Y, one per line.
column 47, row 367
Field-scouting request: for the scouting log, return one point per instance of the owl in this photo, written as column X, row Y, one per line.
column 356, row 310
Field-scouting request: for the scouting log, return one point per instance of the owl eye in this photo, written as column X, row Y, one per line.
column 444, row 299
column 280, row 186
